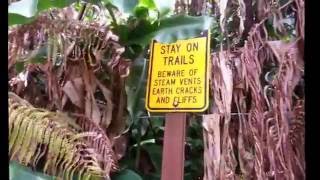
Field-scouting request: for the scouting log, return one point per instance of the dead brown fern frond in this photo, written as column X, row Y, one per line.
column 267, row 93
column 76, row 55
column 100, row 142
column 37, row 136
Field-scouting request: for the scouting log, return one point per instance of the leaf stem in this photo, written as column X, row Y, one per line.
column 82, row 10
column 151, row 127
column 114, row 20
column 138, row 149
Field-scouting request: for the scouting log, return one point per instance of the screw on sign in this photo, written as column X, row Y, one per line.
column 178, row 81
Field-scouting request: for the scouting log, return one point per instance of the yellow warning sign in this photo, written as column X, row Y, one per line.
column 178, row 76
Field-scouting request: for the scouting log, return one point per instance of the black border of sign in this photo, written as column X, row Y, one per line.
column 206, row 101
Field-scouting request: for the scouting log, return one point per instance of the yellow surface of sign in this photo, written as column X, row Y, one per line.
column 178, row 76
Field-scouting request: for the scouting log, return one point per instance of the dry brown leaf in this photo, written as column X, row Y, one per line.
column 74, row 90
column 241, row 15
column 222, row 8
column 91, row 109
column 107, row 111
column 120, row 146
column 212, row 154
column 227, row 78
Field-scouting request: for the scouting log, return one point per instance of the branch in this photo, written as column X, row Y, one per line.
column 114, row 20
column 83, row 8
column 268, row 14
column 80, row 16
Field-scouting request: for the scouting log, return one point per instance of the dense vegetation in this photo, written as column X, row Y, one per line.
column 78, row 73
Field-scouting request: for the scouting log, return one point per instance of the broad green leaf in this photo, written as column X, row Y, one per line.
column 164, row 6
column 20, row 172
column 174, row 28
column 24, row 11
column 152, row 176
column 155, row 154
column 181, row 27
column 19, row 67
column 14, row 19
column 126, row 174
column 46, row 4
column 143, row 123
column 96, row 2
column 157, row 122
column 135, row 88
column 140, row 28
column 125, row 6
column 26, row 8
column 187, row 176
column 147, row 3
column 122, row 31
column 132, row 51
column 141, row 12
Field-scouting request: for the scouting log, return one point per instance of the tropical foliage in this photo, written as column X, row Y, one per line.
column 78, row 73
column 37, row 135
